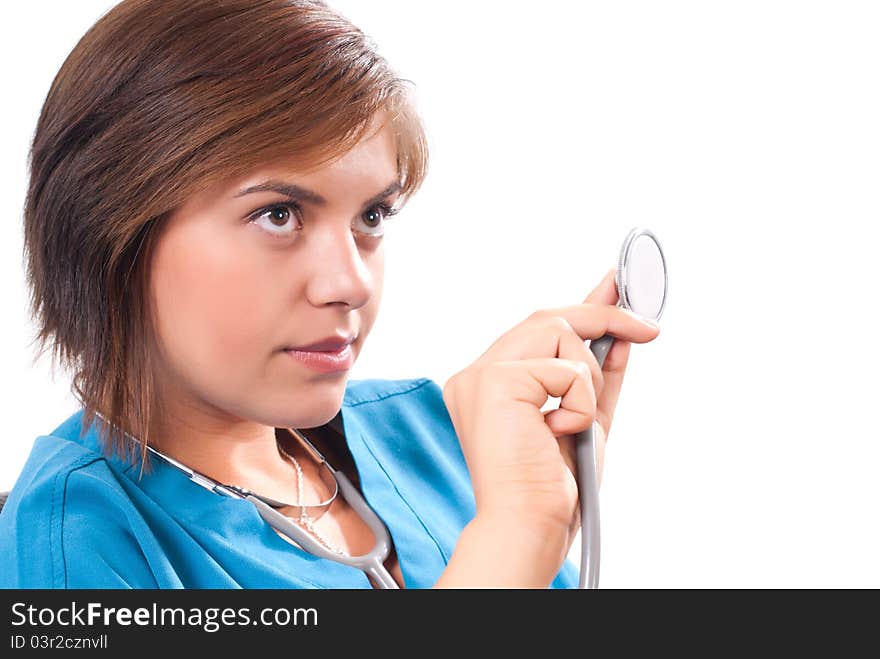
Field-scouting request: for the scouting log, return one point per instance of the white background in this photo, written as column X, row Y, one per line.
column 745, row 450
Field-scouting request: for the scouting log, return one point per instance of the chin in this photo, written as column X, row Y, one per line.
column 310, row 411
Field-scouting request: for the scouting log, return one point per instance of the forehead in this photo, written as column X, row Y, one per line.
column 374, row 157
column 368, row 167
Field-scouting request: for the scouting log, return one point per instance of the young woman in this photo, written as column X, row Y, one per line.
column 209, row 185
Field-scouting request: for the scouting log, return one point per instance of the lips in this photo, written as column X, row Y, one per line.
column 329, row 344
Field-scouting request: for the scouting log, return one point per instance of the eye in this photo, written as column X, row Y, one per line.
column 376, row 219
column 277, row 219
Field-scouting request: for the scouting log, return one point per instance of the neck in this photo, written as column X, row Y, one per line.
column 234, row 451
column 228, row 450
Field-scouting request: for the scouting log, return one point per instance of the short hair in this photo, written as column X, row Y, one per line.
column 158, row 101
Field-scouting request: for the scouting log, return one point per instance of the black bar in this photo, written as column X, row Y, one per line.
column 265, row 621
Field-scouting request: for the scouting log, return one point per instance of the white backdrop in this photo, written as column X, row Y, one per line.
column 744, row 451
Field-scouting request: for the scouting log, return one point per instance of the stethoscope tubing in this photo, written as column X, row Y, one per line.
column 585, row 445
column 588, row 487
column 371, row 563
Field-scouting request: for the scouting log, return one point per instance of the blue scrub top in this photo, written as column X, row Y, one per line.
column 78, row 518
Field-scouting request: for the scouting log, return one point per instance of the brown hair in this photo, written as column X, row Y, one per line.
column 160, row 100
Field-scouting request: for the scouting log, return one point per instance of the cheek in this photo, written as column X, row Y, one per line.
column 211, row 303
column 370, row 311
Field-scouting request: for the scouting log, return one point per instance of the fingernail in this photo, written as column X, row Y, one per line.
column 647, row 321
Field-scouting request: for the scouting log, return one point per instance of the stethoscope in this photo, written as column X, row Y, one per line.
column 641, row 281
column 371, row 563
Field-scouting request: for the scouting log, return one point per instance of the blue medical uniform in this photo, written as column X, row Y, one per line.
column 78, row 518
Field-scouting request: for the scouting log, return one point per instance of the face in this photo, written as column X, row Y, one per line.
column 243, row 271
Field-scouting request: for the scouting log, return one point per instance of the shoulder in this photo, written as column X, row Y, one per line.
column 66, row 523
column 404, row 427
column 408, row 417
column 396, row 402
column 374, row 390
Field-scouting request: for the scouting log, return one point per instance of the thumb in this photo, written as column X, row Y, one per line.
column 606, row 291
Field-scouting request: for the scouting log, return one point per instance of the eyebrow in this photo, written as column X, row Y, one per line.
column 299, row 193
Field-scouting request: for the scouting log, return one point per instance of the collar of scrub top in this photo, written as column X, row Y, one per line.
column 372, row 562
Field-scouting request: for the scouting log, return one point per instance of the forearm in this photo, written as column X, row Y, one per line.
column 505, row 552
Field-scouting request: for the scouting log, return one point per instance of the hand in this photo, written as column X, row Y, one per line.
column 522, row 461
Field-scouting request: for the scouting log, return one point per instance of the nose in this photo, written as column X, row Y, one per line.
column 337, row 269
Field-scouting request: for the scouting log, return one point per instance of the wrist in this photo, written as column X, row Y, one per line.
column 503, row 549
column 545, row 539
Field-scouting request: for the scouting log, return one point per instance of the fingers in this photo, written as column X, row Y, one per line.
column 559, row 333
column 612, row 371
column 539, row 334
column 568, row 380
column 572, row 348
column 591, row 321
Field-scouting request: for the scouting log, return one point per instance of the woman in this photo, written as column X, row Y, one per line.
column 209, row 186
